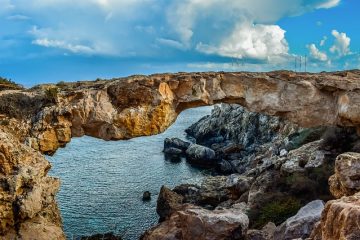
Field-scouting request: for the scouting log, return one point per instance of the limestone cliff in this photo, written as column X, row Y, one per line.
column 42, row 120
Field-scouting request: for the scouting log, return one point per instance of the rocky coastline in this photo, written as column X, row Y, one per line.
column 42, row 119
column 275, row 180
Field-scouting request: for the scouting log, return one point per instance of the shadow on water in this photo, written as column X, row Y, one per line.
column 103, row 182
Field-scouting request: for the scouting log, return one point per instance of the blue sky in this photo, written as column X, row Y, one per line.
column 54, row 40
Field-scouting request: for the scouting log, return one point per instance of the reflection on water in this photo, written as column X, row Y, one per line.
column 103, row 182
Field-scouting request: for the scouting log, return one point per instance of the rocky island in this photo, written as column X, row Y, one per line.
column 288, row 157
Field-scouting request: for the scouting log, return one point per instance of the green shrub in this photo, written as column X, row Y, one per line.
column 276, row 211
column 19, row 105
column 52, row 94
column 61, row 84
column 8, row 84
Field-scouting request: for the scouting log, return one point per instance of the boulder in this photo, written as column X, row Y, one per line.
column 146, row 196
column 266, row 233
column 340, row 219
column 306, row 157
column 346, row 180
column 302, row 224
column 167, row 203
column 201, row 224
column 173, row 151
column 224, row 167
column 218, row 189
column 175, row 143
column 190, row 192
column 201, row 155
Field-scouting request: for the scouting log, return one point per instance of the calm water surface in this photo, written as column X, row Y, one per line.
column 103, row 182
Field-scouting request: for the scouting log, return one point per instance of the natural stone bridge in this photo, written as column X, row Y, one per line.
column 136, row 106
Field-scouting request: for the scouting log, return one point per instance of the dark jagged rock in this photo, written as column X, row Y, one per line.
column 173, row 151
column 201, row 155
column 241, row 128
column 236, row 135
column 146, row 196
column 176, row 143
column 106, row 236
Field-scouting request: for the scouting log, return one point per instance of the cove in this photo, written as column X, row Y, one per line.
column 102, row 181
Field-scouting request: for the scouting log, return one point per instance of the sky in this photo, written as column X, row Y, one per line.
column 61, row 40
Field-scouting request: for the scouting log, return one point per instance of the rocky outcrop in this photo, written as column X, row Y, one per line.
column 146, row 105
column 45, row 120
column 340, row 219
column 201, row 155
column 27, row 195
column 201, row 224
column 168, row 202
column 238, row 128
column 346, row 180
column 301, row 225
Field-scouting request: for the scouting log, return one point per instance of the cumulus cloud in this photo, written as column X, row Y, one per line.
column 250, row 41
column 341, row 44
column 315, row 53
column 227, row 28
column 229, row 21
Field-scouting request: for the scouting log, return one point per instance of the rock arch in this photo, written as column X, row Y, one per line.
column 144, row 105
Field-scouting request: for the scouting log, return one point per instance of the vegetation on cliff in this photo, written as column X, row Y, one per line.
column 8, row 84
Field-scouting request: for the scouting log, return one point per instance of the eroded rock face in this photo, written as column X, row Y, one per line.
column 137, row 106
column 346, row 180
column 201, row 224
column 145, row 105
column 168, row 202
column 27, row 206
column 340, row 219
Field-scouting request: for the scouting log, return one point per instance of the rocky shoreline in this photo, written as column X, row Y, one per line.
column 44, row 118
column 273, row 179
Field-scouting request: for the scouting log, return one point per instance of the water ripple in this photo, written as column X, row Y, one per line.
column 102, row 182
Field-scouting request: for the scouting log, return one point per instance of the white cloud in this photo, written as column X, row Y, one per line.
column 51, row 38
column 171, row 43
column 316, row 53
column 341, row 44
column 323, row 41
column 328, row 4
column 250, row 41
column 63, row 45
column 185, row 14
column 229, row 21
column 245, row 28
column 18, row 17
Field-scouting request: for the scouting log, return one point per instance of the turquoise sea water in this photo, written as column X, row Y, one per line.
column 102, row 182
